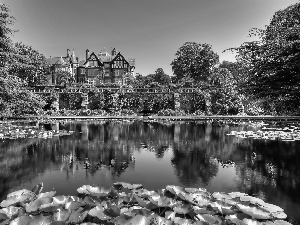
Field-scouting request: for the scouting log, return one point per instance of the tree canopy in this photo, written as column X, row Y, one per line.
column 18, row 64
column 195, row 61
column 274, row 59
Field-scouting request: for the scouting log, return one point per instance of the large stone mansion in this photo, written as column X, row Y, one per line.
column 104, row 67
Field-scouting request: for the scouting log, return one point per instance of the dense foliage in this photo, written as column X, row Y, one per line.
column 20, row 66
column 195, row 61
column 264, row 80
column 273, row 62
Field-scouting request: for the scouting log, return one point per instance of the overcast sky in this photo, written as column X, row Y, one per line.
column 151, row 31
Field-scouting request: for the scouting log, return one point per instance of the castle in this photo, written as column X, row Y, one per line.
column 106, row 67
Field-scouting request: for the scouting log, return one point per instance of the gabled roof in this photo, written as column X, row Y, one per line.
column 93, row 57
column 119, row 56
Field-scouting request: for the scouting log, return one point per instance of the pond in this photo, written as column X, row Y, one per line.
column 188, row 154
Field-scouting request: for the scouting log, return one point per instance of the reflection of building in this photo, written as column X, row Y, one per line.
column 68, row 63
column 105, row 67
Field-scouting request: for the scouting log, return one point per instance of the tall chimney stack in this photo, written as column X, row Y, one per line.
column 68, row 52
column 87, row 52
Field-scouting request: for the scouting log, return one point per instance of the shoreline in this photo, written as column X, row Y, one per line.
column 154, row 118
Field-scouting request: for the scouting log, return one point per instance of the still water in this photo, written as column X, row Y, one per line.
column 155, row 155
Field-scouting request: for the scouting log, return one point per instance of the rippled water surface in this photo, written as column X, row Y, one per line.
column 155, row 155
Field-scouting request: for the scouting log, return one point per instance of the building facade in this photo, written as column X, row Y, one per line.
column 68, row 63
column 105, row 68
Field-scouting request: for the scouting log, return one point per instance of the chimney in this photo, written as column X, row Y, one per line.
column 77, row 59
column 87, row 54
column 68, row 52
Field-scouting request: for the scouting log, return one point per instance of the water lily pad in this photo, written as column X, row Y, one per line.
column 73, row 205
column 181, row 221
column 77, row 216
column 47, row 194
column 271, row 208
column 158, row 220
column 235, row 220
column 127, row 185
column 253, row 200
column 183, row 209
column 255, row 212
column 221, row 195
column 91, row 200
column 60, row 199
column 209, row 219
column 40, row 219
column 201, row 200
column 200, row 210
column 279, row 215
column 98, row 211
column 61, row 214
column 139, row 219
column 38, row 188
column 176, row 190
column 21, row 192
column 251, row 222
column 14, row 199
column 94, row 191
column 112, row 210
column 11, row 211
column 34, row 205
column 21, row 220
column 281, row 222
column 50, row 207
column 162, row 201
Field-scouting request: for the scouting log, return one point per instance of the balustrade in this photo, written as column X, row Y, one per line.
column 115, row 90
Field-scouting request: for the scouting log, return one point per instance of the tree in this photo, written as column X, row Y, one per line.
column 273, row 61
column 195, row 61
column 14, row 98
column 31, row 66
column 159, row 78
column 64, row 77
column 224, row 92
column 6, row 45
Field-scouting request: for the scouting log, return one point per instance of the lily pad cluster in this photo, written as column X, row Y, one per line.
column 126, row 203
column 291, row 133
column 14, row 132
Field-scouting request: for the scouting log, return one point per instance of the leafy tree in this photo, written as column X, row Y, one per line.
column 273, row 61
column 64, row 78
column 224, row 92
column 239, row 73
column 31, row 66
column 6, row 44
column 161, row 78
column 195, row 61
column 15, row 99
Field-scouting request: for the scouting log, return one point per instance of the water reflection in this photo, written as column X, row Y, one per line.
column 154, row 154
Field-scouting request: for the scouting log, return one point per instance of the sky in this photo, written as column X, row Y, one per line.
column 151, row 31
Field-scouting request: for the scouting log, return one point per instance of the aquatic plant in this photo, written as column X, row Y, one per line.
column 136, row 205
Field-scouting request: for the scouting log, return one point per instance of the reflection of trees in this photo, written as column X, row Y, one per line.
column 108, row 147
column 19, row 163
column 194, row 166
column 272, row 165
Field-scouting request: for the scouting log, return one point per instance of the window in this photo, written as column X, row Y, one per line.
column 96, row 72
column 82, row 71
column 117, row 72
